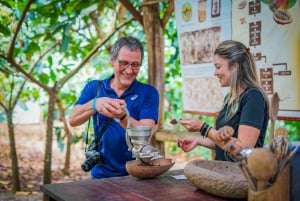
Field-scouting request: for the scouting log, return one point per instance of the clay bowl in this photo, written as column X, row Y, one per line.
column 139, row 169
column 221, row 178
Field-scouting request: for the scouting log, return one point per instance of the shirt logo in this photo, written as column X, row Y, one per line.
column 134, row 97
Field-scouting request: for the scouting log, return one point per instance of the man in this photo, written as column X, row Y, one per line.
column 106, row 100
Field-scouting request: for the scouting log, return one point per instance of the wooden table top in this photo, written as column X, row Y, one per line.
column 162, row 188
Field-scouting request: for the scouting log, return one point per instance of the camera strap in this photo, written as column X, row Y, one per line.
column 97, row 140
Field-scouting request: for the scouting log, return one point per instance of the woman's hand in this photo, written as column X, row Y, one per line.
column 224, row 134
column 191, row 124
column 187, row 144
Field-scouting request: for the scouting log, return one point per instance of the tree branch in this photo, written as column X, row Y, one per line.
column 62, row 81
column 10, row 58
column 28, row 74
column 136, row 15
column 168, row 14
column 44, row 54
column 13, row 41
column 24, row 72
column 19, row 91
column 94, row 16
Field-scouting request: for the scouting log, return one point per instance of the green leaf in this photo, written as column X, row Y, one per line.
column 31, row 49
column 52, row 75
column 4, row 30
column 54, row 29
column 44, row 78
column 66, row 36
column 6, row 3
column 65, row 43
column 76, row 138
column 61, row 144
column 50, row 60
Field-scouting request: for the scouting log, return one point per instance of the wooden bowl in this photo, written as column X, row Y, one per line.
column 138, row 169
column 221, row 178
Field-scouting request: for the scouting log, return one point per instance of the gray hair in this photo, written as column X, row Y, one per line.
column 132, row 43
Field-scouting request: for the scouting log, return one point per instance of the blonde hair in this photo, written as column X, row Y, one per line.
column 236, row 53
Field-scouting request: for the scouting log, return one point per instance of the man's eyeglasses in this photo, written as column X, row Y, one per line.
column 125, row 64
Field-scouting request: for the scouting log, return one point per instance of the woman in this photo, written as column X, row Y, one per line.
column 245, row 107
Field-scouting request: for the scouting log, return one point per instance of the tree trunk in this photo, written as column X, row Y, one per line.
column 13, row 153
column 155, row 47
column 49, row 135
column 68, row 151
column 68, row 135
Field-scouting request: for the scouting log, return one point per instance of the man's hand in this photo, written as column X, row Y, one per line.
column 110, row 107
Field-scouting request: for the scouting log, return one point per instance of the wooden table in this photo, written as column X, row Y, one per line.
column 162, row 188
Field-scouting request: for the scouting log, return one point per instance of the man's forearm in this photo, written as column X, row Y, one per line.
column 80, row 114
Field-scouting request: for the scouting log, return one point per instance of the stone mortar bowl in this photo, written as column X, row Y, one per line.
column 221, row 178
column 139, row 169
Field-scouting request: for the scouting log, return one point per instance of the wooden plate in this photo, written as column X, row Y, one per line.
column 138, row 169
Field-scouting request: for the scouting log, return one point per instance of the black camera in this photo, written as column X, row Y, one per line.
column 92, row 158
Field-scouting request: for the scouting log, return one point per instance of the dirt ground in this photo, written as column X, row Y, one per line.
column 30, row 141
column 30, row 150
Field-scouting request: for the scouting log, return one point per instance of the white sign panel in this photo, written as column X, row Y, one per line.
column 271, row 29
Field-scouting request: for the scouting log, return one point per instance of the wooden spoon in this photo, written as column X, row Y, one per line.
column 281, row 131
column 274, row 107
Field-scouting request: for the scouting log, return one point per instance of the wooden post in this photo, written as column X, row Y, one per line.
column 155, row 46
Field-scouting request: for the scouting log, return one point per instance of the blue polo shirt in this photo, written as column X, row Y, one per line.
column 142, row 103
